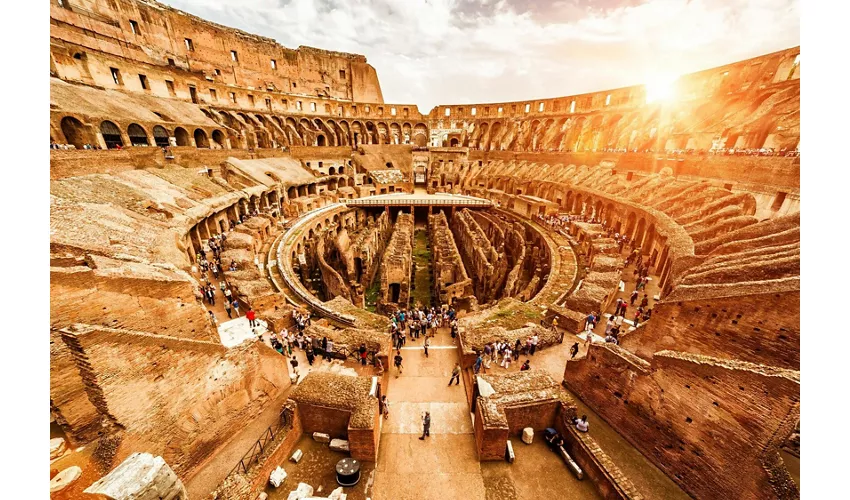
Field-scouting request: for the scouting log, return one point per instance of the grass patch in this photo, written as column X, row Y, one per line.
column 371, row 296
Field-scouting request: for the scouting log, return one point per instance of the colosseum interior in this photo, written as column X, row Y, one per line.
column 187, row 156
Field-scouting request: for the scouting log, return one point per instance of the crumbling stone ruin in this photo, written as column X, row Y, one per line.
column 451, row 283
column 395, row 270
column 170, row 152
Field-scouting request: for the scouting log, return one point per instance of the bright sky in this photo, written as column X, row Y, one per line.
column 430, row 52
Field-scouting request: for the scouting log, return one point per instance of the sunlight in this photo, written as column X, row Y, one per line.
column 661, row 88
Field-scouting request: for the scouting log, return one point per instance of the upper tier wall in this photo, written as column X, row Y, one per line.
column 147, row 32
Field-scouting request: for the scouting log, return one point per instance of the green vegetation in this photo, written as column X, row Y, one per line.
column 371, row 297
column 422, row 284
column 514, row 315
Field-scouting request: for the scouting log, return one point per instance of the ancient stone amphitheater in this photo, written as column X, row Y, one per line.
column 523, row 218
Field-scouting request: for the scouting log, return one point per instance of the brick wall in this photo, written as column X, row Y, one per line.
column 69, row 402
column 764, row 170
column 758, row 328
column 490, row 442
column 690, row 414
column 82, row 162
column 176, row 398
column 330, row 421
column 164, row 307
column 536, row 416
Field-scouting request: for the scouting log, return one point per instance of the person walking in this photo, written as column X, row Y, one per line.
column 633, row 297
column 236, row 307
column 311, row 356
column 534, row 340
column 426, row 426
column 213, row 321
column 397, row 362
column 385, row 407
column 455, row 375
column 427, row 343
column 477, row 366
column 228, row 308
column 252, row 317
column 294, row 363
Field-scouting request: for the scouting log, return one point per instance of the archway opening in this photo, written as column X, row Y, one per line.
column 138, row 136
column 201, row 139
column 218, row 138
column 181, row 136
column 74, row 132
column 160, row 136
column 111, row 135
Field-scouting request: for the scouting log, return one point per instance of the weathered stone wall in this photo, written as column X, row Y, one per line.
column 763, row 328
column 690, row 413
column 450, row 279
column 483, row 262
column 160, row 303
column 69, row 402
column 396, row 266
column 161, row 34
column 174, row 397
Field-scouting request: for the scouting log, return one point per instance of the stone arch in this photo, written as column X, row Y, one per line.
column 420, row 134
column 181, row 136
column 160, row 136
column 201, row 139
column 75, row 132
column 571, row 137
column 218, row 139
column 111, row 134
column 138, row 135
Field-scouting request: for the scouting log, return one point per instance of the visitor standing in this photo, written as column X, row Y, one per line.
column 426, row 425
column 236, row 307
column 363, row 353
column 252, row 317
column 427, row 343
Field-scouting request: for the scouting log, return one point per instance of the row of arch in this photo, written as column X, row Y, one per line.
column 110, row 135
column 638, row 225
column 265, row 131
column 639, row 130
column 242, row 130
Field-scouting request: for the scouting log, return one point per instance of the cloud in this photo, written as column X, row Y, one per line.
column 430, row 52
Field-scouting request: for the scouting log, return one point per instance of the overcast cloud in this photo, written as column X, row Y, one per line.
column 430, row 52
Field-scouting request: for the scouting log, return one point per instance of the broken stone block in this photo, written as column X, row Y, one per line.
column 263, row 496
column 527, row 435
column 296, row 457
column 337, row 494
column 65, row 478
column 57, row 448
column 321, row 437
column 303, row 491
column 277, row 476
column 141, row 476
column 339, row 445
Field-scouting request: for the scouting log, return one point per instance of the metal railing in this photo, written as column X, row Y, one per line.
column 260, row 446
column 419, row 201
